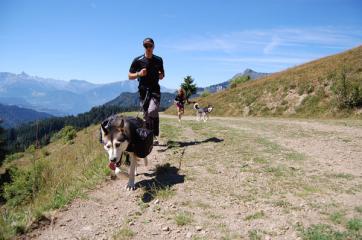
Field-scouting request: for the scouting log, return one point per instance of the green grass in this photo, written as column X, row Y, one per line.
column 277, row 171
column 271, row 147
column 49, row 178
column 354, row 224
column 322, row 232
column 14, row 156
column 327, row 232
column 257, row 215
column 358, row 209
column 170, row 130
column 346, row 176
column 295, row 156
column 254, row 235
column 337, row 217
column 124, row 233
column 183, row 218
column 282, row 204
column 163, row 193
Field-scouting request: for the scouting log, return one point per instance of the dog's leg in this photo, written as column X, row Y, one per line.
column 132, row 169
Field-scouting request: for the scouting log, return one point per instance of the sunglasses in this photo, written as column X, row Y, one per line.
column 148, row 45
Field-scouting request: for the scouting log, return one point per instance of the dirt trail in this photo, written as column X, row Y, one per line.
column 240, row 178
column 105, row 209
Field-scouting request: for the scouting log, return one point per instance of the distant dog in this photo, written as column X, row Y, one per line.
column 202, row 113
column 120, row 134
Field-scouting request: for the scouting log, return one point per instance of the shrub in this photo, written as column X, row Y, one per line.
column 239, row 80
column 354, row 224
column 14, row 156
column 322, row 232
column 183, row 218
column 26, row 183
column 348, row 94
column 67, row 134
column 205, row 93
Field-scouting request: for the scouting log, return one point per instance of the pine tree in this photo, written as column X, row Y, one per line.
column 189, row 86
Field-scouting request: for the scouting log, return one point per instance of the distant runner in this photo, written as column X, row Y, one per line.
column 180, row 101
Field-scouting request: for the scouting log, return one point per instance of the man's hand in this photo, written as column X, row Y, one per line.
column 160, row 75
column 143, row 72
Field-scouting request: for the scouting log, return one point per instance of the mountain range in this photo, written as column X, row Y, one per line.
column 13, row 116
column 59, row 97
column 26, row 98
column 129, row 100
column 220, row 86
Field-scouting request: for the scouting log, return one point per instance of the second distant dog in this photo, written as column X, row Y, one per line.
column 202, row 113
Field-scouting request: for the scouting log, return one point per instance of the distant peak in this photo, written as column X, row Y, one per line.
column 248, row 70
column 23, row 74
column 78, row 81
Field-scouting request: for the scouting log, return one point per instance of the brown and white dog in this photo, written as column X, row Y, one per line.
column 119, row 135
column 202, row 113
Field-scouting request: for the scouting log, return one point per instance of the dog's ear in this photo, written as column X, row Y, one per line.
column 104, row 126
column 120, row 124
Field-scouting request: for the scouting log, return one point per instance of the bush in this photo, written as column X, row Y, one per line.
column 14, row 156
column 348, row 94
column 239, row 80
column 26, row 183
column 354, row 224
column 205, row 93
column 67, row 134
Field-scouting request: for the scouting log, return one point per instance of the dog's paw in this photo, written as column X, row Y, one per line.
column 130, row 186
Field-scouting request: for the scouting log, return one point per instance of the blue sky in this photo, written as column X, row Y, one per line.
column 210, row 40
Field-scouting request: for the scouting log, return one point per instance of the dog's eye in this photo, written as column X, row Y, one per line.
column 117, row 145
column 108, row 146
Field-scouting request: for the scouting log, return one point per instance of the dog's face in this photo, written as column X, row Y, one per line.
column 210, row 108
column 114, row 139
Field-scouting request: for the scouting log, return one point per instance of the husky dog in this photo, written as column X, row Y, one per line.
column 202, row 113
column 120, row 134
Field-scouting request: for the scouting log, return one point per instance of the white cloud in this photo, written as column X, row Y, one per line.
column 262, row 60
column 267, row 40
column 273, row 44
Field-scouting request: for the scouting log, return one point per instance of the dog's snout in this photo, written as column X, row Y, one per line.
column 113, row 160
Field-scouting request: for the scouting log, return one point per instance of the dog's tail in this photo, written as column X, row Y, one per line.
column 196, row 106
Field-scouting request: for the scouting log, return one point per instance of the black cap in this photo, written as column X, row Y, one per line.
column 148, row 40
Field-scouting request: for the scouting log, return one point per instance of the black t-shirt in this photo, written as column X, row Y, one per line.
column 180, row 99
column 153, row 66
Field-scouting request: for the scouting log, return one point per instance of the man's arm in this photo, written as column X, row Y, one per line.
column 142, row 73
column 161, row 73
column 133, row 74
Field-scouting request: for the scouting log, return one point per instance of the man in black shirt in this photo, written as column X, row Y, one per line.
column 148, row 69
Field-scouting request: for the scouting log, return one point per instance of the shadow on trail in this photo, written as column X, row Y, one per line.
column 180, row 144
column 164, row 176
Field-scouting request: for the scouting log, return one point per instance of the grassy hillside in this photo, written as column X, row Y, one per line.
column 328, row 87
column 49, row 178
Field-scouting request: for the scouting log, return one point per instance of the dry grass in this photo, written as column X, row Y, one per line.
column 65, row 172
column 302, row 91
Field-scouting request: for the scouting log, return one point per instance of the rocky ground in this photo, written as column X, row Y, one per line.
column 229, row 178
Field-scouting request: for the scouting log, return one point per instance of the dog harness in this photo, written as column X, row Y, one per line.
column 140, row 139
